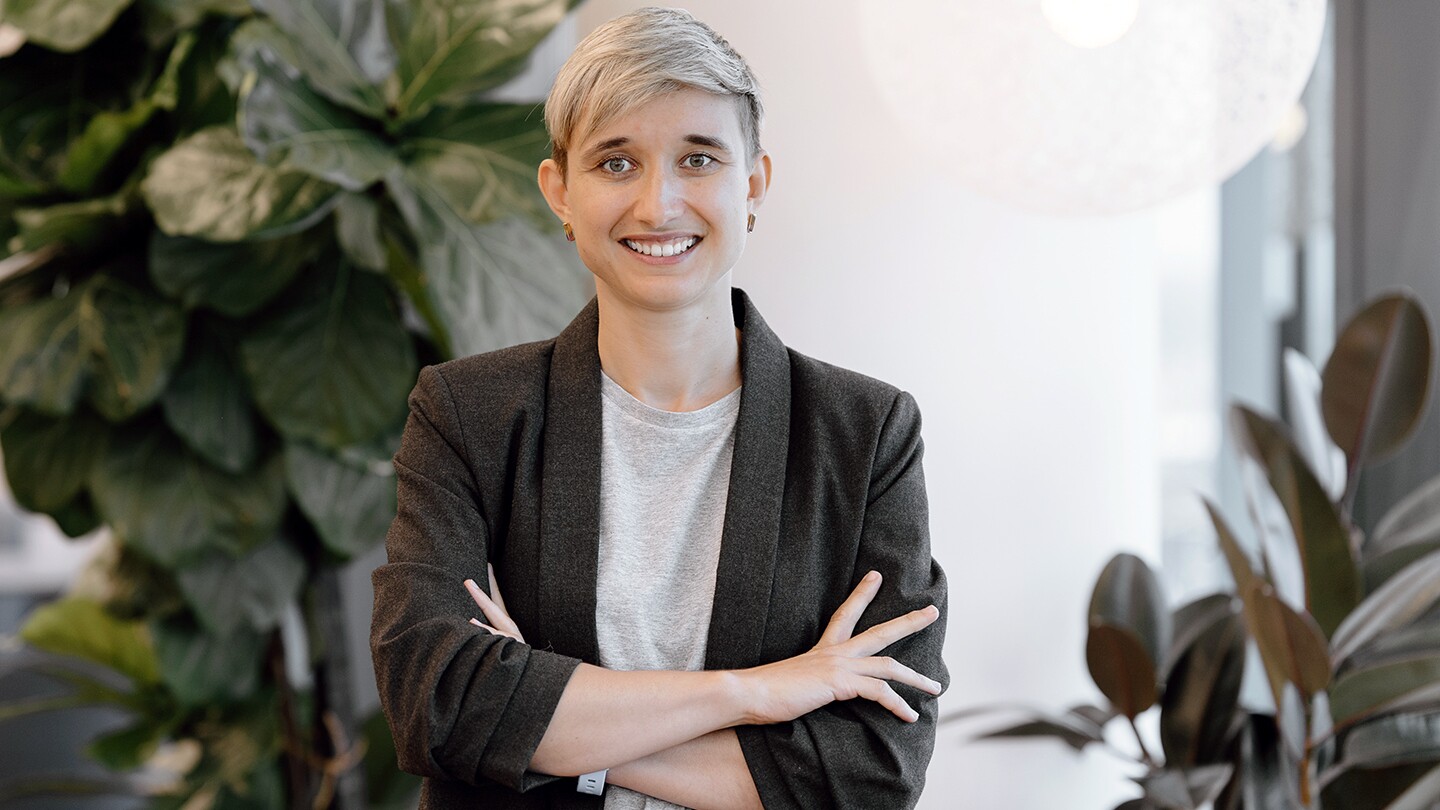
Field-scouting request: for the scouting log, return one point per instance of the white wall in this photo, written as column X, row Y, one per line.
column 1031, row 344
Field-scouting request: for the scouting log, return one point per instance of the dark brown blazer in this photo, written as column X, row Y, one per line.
column 501, row 461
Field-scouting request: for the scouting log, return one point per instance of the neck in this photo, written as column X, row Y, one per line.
column 675, row 360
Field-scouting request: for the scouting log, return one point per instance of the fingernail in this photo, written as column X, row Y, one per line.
column 476, row 622
column 872, row 576
column 914, row 715
column 932, row 610
column 935, row 686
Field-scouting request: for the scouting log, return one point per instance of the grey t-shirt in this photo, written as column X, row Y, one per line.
column 664, row 477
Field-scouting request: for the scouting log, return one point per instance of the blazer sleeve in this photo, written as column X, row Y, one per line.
column 462, row 704
column 856, row 753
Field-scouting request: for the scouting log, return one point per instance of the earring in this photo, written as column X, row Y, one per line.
column 570, row 232
column 750, row 225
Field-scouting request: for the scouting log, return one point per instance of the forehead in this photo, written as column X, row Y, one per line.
column 669, row 117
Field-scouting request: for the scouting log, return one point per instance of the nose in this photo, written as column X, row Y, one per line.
column 660, row 199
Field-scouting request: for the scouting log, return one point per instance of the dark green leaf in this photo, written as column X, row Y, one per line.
column 77, row 517
column 340, row 46
column 1393, row 740
column 1377, row 379
column 232, row 278
column 1415, row 519
column 78, row 227
column 1332, row 582
column 1369, row 789
column 1186, row 789
column 211, row 186
column 357, row 227
column 82, row 628
column 1423, row 793
column 289, row 125
column 47, row 460
column 1401, row 600
column 1415, row 641
column 1290, row 642
column 1121, row 667
column 209, row 407
column 1074, row 730
column 333, row 364
column 350, row 497
column 387, row 787
column 228, row 593
column 1202, row 695
column 492, row 285
column 1127, row 594
column 1377, row 569
column 130, row 747
column 481, row 158
column 168, row 503
column 123, row 340
column 202, row 669
column 1365, row 691
column 450, row 50
column 63, row 25
column 1191, row 621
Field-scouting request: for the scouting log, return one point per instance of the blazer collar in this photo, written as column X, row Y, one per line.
column 570, row 495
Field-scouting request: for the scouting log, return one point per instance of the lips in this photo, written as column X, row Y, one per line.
column 665, row 248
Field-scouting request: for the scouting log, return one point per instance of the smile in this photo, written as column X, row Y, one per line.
column 672, row 248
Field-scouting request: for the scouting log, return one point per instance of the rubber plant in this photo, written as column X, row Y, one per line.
column 233, row 234
column 1346, row 620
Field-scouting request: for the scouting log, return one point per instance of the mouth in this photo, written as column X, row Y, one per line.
column 665, row 249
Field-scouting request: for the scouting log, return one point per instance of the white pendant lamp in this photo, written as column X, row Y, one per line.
column 1075, row 107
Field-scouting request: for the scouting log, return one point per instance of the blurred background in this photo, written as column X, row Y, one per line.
column 1072, row 350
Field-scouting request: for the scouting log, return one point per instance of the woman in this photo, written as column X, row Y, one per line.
column 689, row 520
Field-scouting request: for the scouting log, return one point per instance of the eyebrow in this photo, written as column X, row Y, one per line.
column 614, row 143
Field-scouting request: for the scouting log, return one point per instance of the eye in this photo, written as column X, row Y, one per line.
column 615, row 165
column 699, row 160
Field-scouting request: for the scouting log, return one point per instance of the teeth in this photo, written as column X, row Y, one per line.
column 662, row 249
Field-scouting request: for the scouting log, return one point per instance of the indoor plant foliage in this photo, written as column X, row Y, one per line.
column 233, row 235
column 1346, row 621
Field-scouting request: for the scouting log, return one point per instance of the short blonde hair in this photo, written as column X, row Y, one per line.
column 635, row 58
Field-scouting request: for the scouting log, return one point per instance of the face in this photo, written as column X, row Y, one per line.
column 658, row 199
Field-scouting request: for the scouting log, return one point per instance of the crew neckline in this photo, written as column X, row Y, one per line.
column 720, row 409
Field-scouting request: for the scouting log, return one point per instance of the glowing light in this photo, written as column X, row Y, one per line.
column 1090, row 23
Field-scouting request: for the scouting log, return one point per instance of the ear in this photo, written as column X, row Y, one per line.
column 552, row 187
column 759, row 182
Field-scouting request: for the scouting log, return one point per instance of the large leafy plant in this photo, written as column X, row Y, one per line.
column 1346, row 621
column 233, row 234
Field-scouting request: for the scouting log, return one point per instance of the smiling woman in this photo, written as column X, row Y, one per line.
column 705, row 539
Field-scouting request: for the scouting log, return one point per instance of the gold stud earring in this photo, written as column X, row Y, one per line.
column 570, row 232
column 750, row 225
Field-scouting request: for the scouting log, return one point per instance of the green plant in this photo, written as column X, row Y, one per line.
column 1346, row 622
column 233, row 235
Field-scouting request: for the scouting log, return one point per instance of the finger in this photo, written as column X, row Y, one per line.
column 495, row 589
column 880, row 692
column 842, row 623
column 884, row 634
column 494, row 631
column 494, row 612
column 891, row 670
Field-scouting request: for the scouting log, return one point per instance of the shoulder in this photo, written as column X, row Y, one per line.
column 504, row 380
column 840, row 393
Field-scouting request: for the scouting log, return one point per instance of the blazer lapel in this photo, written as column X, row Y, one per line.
column 570, row 491
column 757, row 487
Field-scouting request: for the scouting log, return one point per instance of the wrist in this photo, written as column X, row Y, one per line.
column 735, row 693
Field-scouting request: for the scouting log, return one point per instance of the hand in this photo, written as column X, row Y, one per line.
column 841, row 666
column 493, row 608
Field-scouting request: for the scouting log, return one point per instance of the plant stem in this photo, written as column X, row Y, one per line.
column 1144, row 752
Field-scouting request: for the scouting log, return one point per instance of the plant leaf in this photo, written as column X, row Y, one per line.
column 63, row 25
column 1202, row 695
column 232, row 278
column 130, row 747
column 332, row 364
column 1415, row 519
column 83, row 629
column 1394, row 740
column 210, row 186
column 1192, row 620
column 1127, row 594
column 252, row 590
column 350, row 499
column 203, row 669
column 1401, row 600
column 1423, row 793
column 1377, row 379
column 48, row 460
column 1121, row 667
column 289, row 125
column 492, row 285
column 1332, row 582
column 78, row 227
column 1379, row 568
column 340, row 46
column 1365, row 691
column 209, row 407
column 168, row 503
column 134, row 340
column 450, row 50
column 357, row 228
column 481, row 159
column 42, row 363
column 1290, row 642
column 1302, row 388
